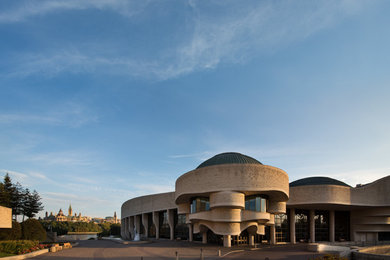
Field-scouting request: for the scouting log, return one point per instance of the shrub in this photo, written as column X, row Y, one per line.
column 14, row 233
column 17, row 247
column 33, row 230
column 115, row 229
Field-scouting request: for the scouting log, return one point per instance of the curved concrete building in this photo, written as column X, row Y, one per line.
column 233, row 198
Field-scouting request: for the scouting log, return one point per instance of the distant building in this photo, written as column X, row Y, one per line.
column 113, row 220
column 60, row 217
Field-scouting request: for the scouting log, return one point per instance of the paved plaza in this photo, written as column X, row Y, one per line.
column 165, row 249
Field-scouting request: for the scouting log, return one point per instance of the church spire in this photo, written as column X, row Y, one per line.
column 70, row 211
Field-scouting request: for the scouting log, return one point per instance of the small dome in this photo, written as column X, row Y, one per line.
column 228, row 158
column 317, row 181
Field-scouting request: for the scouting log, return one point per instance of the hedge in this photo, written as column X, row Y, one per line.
column 33, row 230
column 17, row 247
column 14, row 233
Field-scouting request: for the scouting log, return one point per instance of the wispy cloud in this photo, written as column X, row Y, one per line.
column 28, row 9
column 65, row 158
column 242, row 32
column 70, row 114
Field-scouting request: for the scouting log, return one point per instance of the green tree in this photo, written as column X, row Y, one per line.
column 6, row 189
column 11, row 195
column 115, row 229
column 14, row 233
column 31, row 204
column 33, row 230
column 17, row 199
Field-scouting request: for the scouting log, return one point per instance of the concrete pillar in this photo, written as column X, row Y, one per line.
column 171, row 222
column 312, row 226
column 273, row 235
column 292, row 226
column 145, row 223
column 190, row 233
column 331, row 226
column 137, row 223
column 251, row 240
column 156, row 223
column 126, row 232
column 123, row 228
column 227, row 240
column 204, row 237
column 131, row 227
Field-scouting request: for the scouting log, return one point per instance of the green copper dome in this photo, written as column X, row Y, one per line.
column 228, row 158
column 317, row 181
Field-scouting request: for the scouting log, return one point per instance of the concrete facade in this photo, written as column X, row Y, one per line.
column 5, row 217
column 232, row 193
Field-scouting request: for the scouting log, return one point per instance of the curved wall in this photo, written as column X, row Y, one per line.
column 246, row 178
column 147, row 204
column 372, row 194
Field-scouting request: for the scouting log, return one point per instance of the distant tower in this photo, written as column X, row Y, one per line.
column 70, row 210
column 47, row 214
column 115, row 219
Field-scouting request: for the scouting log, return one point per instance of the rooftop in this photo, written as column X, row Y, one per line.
column 317, row 181
column 229, row 158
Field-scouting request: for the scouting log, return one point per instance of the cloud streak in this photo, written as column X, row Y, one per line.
column 29, row 9
column 70, row 114
column 242, row 32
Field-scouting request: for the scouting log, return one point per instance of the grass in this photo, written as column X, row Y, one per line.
column 2, row 254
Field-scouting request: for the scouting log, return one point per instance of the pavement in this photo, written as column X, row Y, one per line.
column 166, row 249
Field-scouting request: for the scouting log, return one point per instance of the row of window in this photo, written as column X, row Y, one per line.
column 255, row 203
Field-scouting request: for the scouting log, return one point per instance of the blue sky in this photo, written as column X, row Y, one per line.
column 102, row 101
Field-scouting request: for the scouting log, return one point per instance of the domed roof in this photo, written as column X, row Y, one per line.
column 317, row 181
column 228, row 158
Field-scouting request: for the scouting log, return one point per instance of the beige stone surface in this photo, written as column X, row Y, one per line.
column 246, row 178
column 375, row 194
column 148, row 204
column 5, row 217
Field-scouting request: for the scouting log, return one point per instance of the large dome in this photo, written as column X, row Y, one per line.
column 317, row 181
column 228, row 158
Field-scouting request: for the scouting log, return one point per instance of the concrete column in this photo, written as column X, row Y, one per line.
column 204, row 237
column 190, row 233
column 137, row 223
column 126, row 233
column 145, row 223
column 273, row 235
column 251, row 240
column 331, row 226
column 131, row 227
column 123, row 228
column 292, row 226
column 227, row 240
column 312, row 227
column 171, row 222
column 156, row 223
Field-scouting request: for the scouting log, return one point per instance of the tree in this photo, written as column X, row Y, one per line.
column 20, row 200
column 33, row 230
column 14, row 233
column 6, row 188
column 32, row 203
column 17, row 199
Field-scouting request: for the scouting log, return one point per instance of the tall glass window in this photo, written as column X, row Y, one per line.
column 282, row 228
column 164, row 225
column 342, row 224
column 200, row 204
column 321, row 220
column 256, row 203
column 302, row 225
